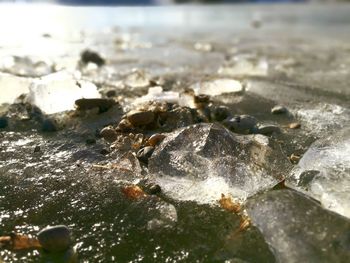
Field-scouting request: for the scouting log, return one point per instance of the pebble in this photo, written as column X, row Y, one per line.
column 55, row 238
column 37, row 149
column 294, row 158
column 155, row 139
column 268, row 129
column 138, row 118
column 111, row 93
column 90, row 141
column 242, row 124
column 155, row 189
column 92, row 56
column 124, row 126
column 109, row 134
column 294, row 125
column 144, row 154
column 201, row 98
column 3, row 122
column 279, row 110
column 104, row 151
column 87, row 104
column 48, row 125
column 220, row 113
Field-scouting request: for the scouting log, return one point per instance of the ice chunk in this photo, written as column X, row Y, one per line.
column 217, row 87
column 57, row 92
column 202, row 161
column 324, row 172
column 25, row 66
column 157, row 94
column 298, row 229
column 137, row 79
column 12, row 86
column 241, row 66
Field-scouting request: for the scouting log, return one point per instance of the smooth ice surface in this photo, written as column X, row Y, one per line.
column 217, row 87
column 298, row 229
column 324, row 171
column 12, row 86
column 57, row 92
column 202, row 161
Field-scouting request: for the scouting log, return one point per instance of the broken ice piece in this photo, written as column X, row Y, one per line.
column 245, row 67
column 324, row 172
column 217, row 87
column 58, row 92
column 202, row 161
column 157, row 94
column 12, row 87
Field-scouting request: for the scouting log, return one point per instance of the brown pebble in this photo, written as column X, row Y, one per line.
column 139, row 118
column 109, row 134
column 155, row 139
column 294, row 125
column 155, row 189
column 294, row 158
column 102, row 104
column 124, row 126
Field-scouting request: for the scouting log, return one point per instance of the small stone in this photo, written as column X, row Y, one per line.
column 268, row 129
column 102, row 104
column 124, row 126
column 90, row 141
column 55, row 238
column 279, row 110
column 155, row 189
column 201, row 98
column 242, row 124
column 139, row 118
column 144, row 154
column 91, row 56
column 294, row 158
column 104, row 151
column 111, row 93
column 220, row 113
column 109, row 134
column 37, row 149
column 294, row 125
column 155, row 139
column 48, row 125
column 3, row 122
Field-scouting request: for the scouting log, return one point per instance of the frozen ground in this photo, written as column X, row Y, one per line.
column 56, row 169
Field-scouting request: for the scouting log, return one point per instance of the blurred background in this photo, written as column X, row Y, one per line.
column 159, row 2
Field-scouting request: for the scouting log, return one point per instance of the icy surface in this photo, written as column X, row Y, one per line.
column 202, row 161
column 58, row 91
column 298, row 229
column 324, row 171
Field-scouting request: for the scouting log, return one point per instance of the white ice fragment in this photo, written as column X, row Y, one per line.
column 57, row 92
column 245, row 67
column 217, row 87
column 12, row 86
column 324, row 172
column 157, row 94
column 137, row 79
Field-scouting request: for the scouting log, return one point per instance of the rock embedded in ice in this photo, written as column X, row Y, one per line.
column 324, row 172
column 217, row 87
column 12, row 87
column 298, row 229
column 58, row 92
column 202, row 161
